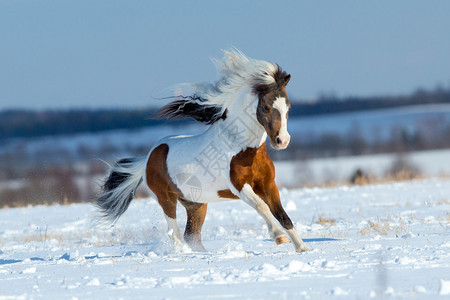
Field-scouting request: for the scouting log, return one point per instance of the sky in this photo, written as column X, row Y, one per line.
column 85, row 54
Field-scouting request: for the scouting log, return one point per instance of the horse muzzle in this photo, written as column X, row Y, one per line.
column 280, row 142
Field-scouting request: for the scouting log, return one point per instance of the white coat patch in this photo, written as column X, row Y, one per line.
column 281, row 106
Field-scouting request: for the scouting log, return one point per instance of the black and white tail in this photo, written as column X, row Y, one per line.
column 120, row 187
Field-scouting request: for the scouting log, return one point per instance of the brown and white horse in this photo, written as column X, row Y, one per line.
column 228, row 161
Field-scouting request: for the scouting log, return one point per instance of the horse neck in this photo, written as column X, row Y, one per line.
column 240, row 129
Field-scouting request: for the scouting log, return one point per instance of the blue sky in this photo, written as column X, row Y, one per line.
column 61, row 54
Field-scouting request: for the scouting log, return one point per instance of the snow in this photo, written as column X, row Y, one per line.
column 387, row 240
column 445, row 287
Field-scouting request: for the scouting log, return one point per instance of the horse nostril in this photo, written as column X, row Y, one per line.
column 278, row 141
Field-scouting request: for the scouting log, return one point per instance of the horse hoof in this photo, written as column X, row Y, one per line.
column 197, row 247
column 302, row 249
column 281, row 240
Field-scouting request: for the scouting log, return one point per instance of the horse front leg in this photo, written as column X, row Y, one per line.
column 269, row 193
column 251, row 198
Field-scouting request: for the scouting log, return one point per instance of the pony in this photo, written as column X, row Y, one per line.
column 228, row 161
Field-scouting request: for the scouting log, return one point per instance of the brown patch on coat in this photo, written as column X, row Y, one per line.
column 227, row 194
column 159, row 181
column 254, row 167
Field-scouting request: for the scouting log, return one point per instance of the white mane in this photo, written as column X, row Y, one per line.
column 236, row 71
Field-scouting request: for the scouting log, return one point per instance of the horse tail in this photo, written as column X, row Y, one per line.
column 120, row 187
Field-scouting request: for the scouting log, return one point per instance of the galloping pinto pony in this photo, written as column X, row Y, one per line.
column 228, row 161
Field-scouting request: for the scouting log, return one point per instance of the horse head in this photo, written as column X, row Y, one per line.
column 272, row 111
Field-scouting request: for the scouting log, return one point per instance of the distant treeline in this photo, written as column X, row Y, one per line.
column 27, row 123
column 332, row 104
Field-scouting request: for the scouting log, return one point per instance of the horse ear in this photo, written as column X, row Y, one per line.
column 286, row 79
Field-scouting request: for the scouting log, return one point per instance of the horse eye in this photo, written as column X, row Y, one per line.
column 265, row 108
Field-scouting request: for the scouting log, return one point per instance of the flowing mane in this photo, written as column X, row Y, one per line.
column 210, row 101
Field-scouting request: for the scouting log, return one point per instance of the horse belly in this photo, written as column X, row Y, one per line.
column 199, row 168
column 198, row 186
column 197, row 182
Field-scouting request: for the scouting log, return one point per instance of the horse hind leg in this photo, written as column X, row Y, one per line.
column 169, row 206
column 196, row 213
column 158, row 180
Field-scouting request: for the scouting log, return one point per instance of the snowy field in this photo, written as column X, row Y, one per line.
column 385, row 241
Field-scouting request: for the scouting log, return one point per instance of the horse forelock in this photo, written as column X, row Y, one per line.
column 261, row 88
